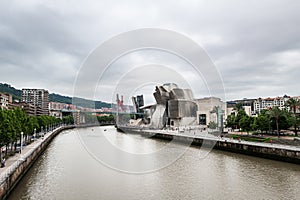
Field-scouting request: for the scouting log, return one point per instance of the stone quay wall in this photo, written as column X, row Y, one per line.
column 18, row 169
column 283, row 153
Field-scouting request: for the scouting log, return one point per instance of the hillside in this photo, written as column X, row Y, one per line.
column 16, row 93
column 6, row 88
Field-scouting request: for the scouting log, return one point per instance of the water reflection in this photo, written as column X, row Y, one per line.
column 67, row 171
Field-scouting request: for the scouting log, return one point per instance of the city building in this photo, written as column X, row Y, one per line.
column 5, row 99
column 267, row 103
column 247, row 105
column 38, row 98
column 30, row 109
column 176, row 107
column 211, row 110
column 59, row 110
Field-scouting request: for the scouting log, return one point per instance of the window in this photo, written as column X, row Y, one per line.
column 202, row 119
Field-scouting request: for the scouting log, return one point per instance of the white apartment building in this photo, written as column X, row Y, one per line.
column 37, row 97
column 5, row 99
column 267, row 103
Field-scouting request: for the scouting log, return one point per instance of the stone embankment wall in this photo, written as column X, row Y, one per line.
column 16, row 171
column 274, row 152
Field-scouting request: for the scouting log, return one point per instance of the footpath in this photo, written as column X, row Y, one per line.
column 12, row 162
column 17, row 165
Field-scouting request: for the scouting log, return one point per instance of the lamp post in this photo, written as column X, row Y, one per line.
column 21, row 143
column 34, row 132
column 21, row 158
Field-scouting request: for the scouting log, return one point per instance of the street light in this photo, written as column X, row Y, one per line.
column 21, row 158
column 34, row 132
column 21, row 142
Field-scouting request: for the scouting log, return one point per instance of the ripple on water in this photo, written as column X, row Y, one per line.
column 67, row 171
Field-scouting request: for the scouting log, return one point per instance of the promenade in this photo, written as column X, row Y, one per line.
column 14, row 161
column 207, row 136
column 281, row 152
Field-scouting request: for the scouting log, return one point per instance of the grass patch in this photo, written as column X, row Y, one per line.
column 251, row 139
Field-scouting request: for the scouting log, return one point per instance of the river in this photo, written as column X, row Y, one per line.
column 68, row 170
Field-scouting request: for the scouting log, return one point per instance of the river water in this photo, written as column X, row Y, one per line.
column 68, row 170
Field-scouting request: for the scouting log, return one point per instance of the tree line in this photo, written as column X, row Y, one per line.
column 268, row 121
column 13, row 122
column 106, row 119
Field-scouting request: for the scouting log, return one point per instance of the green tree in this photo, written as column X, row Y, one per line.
column 11, row 126
column 276, row 114
column 241, row 113
column 263, row 122
column 286, row 120
column 90, row 119
column 212, row 125
column 21, row 122
column 230, row 121
column 4, row 126
column 254, row 124
column 293, row 104
column 106, row 119
column 68, row 119
column 245, row 123
column 31, row 124
column 238, row 107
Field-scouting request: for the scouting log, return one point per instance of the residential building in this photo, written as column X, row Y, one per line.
column 59, row 110
column 267, row 103
column 5, row 99
column 38, row 98
column 247, row 105
column 30, row 109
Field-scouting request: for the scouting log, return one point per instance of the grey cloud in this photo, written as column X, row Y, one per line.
column 44, row 44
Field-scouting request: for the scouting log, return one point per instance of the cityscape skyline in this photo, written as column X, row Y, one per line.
column 143, row 99
column 227, row 100
column 255, row 46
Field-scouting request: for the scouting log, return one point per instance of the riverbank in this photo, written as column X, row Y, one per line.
column 272, row 151
column 19, row 164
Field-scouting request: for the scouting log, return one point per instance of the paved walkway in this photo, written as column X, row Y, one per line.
column 13, row 161
column 206, row 135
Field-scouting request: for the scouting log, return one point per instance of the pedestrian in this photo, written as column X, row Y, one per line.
column 3, row 162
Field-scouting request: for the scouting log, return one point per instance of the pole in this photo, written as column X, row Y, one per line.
column 117, row 116
column 21, row 158
column 21, row 143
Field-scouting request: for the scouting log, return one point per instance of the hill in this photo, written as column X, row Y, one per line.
column 6, row 88
column 16, row 93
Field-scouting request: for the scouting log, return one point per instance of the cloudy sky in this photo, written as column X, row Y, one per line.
column 255, row 45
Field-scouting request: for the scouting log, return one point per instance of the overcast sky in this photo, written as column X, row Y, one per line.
column 255, row 45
